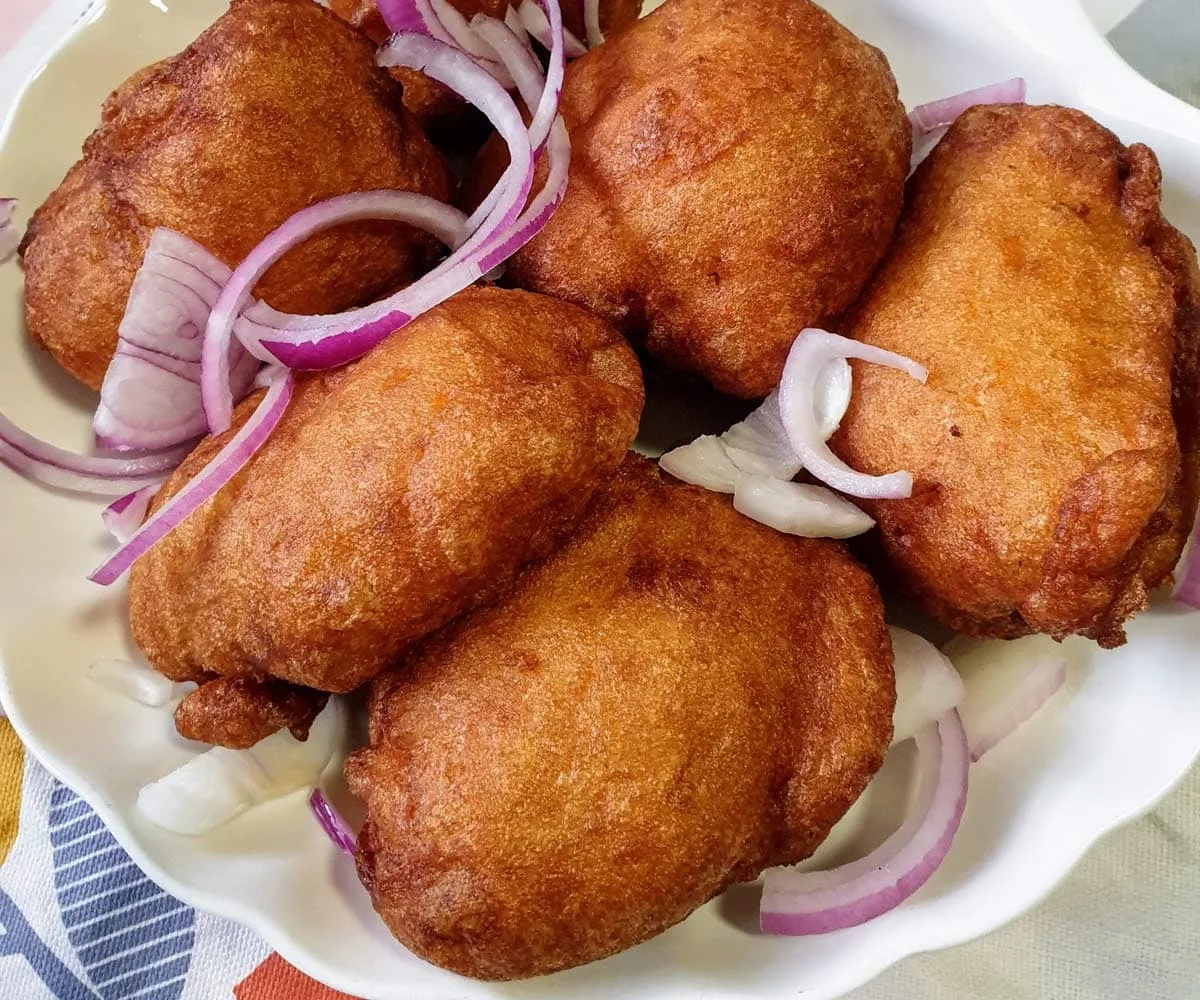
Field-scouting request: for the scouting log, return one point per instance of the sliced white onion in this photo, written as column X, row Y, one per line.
column 202, row 486
column 927, row 685
column 135, row 681
column 1006, row 682
column 591, row 22
column 812, row 351
column 124, row 515
column 220, row 784
column 800, row 903
column 759, row 445
column 703, row 462
column 930, row 117
column 10, row 238
column 798, row 509
column 533, row 20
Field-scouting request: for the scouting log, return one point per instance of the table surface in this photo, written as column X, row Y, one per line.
column 1122, row 926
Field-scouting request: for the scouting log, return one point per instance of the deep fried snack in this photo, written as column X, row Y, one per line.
column 1054, row 447
column 237, row 712
column 395, row 494
column 737, row 170
column 674, row 700
column 441, row 113
column 278, row 105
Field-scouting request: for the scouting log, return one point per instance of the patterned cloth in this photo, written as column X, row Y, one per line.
column 79, row 921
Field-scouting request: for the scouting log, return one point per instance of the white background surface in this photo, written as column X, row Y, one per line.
column 1126, row 924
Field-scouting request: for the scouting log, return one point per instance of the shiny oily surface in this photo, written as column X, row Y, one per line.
column 1036, row 803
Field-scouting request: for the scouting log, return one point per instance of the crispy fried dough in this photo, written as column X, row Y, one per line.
column 676, row 699
column 395, row 493
column 440, row 112
column 277, row 106
column 1059, row 316
column 237, row 712
column 737, row 169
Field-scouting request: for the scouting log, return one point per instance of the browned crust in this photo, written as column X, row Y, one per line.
column 276, row 106
column 237, row 712
column 674, row 700
column 394, row 494
column 1056, row 472
column 737, row 170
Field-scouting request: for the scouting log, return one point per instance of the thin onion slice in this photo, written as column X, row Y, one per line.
column 591, row 23
column 220, row 784
column 1007, row 682
column 927, row 685
column 798, row 509
column 811, row 352
column 104, row 475
column 201, row 487
column 469, row 42
column 1187, row 573
column 124, row 515
column 533, row 20
column 414, row 16
column 930, row 117
column 702, row 462
column 10, row 238
column 801, row 903
column 134, row 681
column 151, row 393
column 335, row 826
column 421, row 211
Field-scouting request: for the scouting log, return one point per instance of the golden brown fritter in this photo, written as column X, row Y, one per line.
column 237, row 712
column 676, row 699
column 737, row 169
column 395, row 493
column 439, row 111
column 278, row 105
column 1059, row 317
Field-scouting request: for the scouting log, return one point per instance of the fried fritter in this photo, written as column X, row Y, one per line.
column 1054, row 447
column 443, row 114
column 395, row 493
column 676, row 699
column 278, row 105
column 737, row 170
column 237, row 712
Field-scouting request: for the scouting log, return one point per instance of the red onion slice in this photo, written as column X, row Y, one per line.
column 219, row 470
column 533, row 20
column 811, row 352
column 335, row 827
column 927, row 685
column 798, row 509
column 1006, row 682
column 1187, row 573
column 800, row 903
column 124, row 515
column 415, row 16
column 465, row 39
column 105, row 475
column 418, row 210
column 591, row 23
column 930, row 117
column 10, row 238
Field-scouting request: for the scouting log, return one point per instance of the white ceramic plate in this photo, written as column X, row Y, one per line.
column 1123, row 732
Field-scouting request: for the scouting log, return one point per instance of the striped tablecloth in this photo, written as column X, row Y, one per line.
column 79, row 921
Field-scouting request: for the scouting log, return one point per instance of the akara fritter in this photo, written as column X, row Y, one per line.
column 277, row 106
column 395, row 493
column 441, row 113
column 676, row 699
column 737, row 170
column 1054, row 447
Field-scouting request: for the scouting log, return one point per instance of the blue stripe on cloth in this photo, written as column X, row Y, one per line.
column 154, row 975
column 84, row 848
column 116, row 920
column 132, row 939
column 125, row 875
column 131, row 935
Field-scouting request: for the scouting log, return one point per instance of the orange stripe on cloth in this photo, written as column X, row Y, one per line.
column 274, row 979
